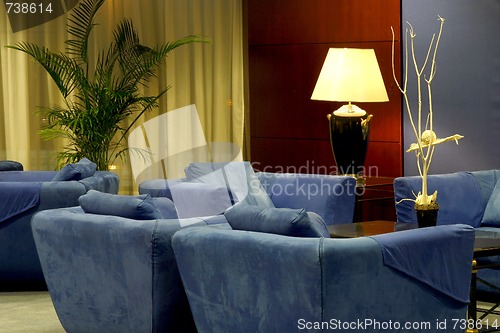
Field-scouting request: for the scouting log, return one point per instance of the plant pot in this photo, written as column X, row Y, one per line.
column 426, row 215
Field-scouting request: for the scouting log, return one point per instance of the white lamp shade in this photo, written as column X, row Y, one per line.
column 350, row 75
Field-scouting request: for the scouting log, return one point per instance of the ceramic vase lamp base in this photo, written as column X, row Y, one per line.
column 349, row 132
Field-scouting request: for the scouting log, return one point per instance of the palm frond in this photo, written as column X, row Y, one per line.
column 144, row 62
column 63, row 70
column 80, row 26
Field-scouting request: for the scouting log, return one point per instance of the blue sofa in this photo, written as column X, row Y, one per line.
column 471, row 198
column 211, row 188
column 243, row 281
column 22, row 194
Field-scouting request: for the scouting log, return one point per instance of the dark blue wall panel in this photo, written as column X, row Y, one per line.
column 466, row 90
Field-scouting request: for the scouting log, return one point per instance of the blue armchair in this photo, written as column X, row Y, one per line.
column 109, row 274
column 22, row 194
column 471, row 198
column 242, row 281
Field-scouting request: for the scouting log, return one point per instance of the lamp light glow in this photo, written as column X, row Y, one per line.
column 350, row 75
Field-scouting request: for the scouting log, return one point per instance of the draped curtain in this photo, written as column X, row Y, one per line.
column 209, row 76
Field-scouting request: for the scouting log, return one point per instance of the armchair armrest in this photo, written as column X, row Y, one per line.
column 60, row 194
column 102, row 181
column 332, row 197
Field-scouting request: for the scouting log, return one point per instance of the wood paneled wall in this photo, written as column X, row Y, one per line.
column 287, row 44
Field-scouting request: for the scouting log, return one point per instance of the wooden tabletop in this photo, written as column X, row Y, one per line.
column 361, row 229
column 486, row 243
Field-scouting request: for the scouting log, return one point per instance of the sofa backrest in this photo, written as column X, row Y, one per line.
column 487, row 180
column 460, row 198
column 332, row 197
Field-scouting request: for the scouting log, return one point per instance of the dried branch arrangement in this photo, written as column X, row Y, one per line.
column 423, row 125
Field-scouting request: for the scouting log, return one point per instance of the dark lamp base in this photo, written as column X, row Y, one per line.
column 349, row 140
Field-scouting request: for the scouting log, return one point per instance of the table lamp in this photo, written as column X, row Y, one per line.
column 350, row 75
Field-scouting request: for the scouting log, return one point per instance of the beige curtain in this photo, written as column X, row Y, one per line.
column 207, row 75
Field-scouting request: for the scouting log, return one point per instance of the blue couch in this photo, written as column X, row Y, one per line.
column 211, row 188
column 471, row 198
column 22, row 194
column 242, row 281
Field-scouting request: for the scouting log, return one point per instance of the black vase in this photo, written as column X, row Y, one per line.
column 427, row 217
column 349, row 140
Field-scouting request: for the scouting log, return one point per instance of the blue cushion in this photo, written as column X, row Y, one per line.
column 166, row 208
column 7, row 165
column 281, row 221
column 76, row 171
column 491, row 215
column 238, row 177
column 141, row 207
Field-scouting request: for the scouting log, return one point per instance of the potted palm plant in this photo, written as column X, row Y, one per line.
column 426, row 139
column 99, row 96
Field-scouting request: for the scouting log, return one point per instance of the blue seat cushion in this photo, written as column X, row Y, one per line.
column 281, row 221
column 141, row 207
column 76, row 171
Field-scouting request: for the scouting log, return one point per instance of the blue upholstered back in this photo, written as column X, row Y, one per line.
column 332, row 197
column 487, row 180
column 460, row 198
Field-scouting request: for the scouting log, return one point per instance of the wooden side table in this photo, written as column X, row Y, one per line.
column 375, row 200
column 361, row 229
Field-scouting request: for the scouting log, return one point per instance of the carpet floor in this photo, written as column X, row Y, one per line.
column 28, row 312
column 33, row 312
